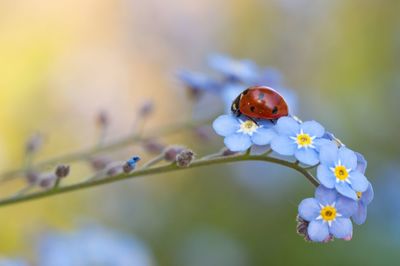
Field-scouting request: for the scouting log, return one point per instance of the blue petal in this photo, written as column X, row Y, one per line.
column 368, row 195
column 226, row 125
column 287, row 126
column 346, row 207
column 318, row 231
column 361, row 162
column 347, row 157
column 313, row 128
column 358, row 181
column 326, row 176
column 238, row 142
column 361, row 214
column 342, row 228
column 309, row 209
column 318, row 143
column 283, row 145
column 263, row 136
column 345, row 189
column 265, row 123
column 325, row 195
column 328, row 154
column 307, row 156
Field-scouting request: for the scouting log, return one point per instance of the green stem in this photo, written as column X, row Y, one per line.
column 85, row 154
column 157, row 170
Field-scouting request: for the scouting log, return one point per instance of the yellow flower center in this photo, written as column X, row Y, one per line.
column 248, row 127
column 304, row 140
column 359, row 195
column 328, row 213
column 341, row 172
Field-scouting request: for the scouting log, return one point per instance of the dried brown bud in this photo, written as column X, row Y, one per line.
column 62, row 171
column 185, row 158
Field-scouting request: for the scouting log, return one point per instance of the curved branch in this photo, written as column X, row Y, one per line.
column 120, row 143
column 158, row 170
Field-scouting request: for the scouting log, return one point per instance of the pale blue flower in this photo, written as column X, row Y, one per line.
column 302, row 140
column 198, row 82
column 92, row 246
column 364, row 199
column 241, row 133
column 338, row 169
column 328, row 214
column 245, row 71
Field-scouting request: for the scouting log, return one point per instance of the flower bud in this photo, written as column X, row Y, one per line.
column 146, row 109
column 32, row 177
column 100, row 163
column 185, row 158
column 114, row 170
column 47, row 181
column 171, row 152
column 34, row 143
column 153, row 146
column 62, row 171
column 103, row 119
column 130, row 165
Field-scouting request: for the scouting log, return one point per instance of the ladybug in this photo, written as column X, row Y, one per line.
column 260, row 102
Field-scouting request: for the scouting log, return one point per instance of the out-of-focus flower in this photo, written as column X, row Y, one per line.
column 242, row 134
column 301, row 140
column 245, row 71
column 197, row 82
column 12, row 262
column 92, row 246
column 338, row 169
column 237, row 75
column 328, row 214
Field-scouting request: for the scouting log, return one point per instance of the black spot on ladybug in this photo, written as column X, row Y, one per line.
column 261, row 96
column 275, row 110
column 253, row 109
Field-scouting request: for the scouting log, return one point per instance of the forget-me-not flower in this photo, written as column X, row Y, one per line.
column 338, row 169
column 364, row 199
column 328, row 213
column 245, row 71
column 299, row 139
column 198, row 82
column 241, row 133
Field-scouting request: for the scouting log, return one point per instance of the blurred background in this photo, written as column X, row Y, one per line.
column 61, row 62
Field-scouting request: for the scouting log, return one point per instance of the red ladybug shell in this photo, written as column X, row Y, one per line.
column 260, row 102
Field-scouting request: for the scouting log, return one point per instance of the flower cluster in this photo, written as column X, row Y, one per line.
column 231, row 77
column 344, row 192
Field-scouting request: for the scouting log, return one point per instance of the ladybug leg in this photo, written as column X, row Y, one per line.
column 273, row 121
